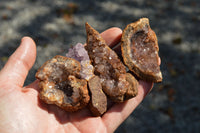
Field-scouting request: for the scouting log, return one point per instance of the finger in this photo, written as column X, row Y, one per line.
column 159, row 61
column 19, row 63
column 119, row 112
column 33, row 85
column 112, row 36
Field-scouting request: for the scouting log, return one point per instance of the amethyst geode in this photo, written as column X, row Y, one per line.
column 63, row 80
column 79, row 53
column 108, row 67
column 61, row 84
column 92, row 74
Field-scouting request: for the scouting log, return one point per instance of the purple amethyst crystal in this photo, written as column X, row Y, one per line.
column 79, row 53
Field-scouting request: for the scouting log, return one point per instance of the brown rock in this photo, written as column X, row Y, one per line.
column 140, row 50
column 132, row 90
column 107, row 65
column 98, row 101
column 60, row 84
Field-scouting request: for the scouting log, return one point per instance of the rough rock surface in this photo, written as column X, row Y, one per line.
column 132, row 90
column 98, row 101
column 140, row 50
column 60, row 84
column 107, row 66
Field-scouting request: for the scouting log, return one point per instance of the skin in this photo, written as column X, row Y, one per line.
column 22, row 111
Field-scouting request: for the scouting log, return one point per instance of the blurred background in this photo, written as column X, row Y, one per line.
column 56, row 25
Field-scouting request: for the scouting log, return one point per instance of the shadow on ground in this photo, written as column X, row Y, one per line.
column 173, row 105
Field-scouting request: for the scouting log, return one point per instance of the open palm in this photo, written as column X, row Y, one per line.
column 21, row 110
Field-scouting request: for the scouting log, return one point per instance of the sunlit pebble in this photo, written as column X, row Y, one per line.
column 110, row 58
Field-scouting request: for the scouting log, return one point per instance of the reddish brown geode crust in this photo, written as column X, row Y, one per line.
column 98, row 101
column 139, row 47
column 60, row 84
column 133, row 83
column 107, row 66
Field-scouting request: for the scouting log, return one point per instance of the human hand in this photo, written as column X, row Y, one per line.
column 21, row 110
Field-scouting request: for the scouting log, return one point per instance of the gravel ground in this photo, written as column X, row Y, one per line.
column 174, row 104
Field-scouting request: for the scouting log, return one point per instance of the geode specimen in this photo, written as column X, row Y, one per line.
column 94, row 73
column 60, row 84
column 98, row 101
column 140, row 50
column 107, row 66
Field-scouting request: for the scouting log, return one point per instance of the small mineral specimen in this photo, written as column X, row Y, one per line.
column 94, row 73
column 140, row 50
column 79, row 53
column 107, row 66
column 60, row 84
column 98, row 101
column 132, row 90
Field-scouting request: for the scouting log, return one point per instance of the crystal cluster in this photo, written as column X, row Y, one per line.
column 107, row 66
column 140, row 50
column 60, row 83
column 93, row 74
column 79, row 53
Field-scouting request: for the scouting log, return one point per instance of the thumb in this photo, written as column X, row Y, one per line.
column 19, row 63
